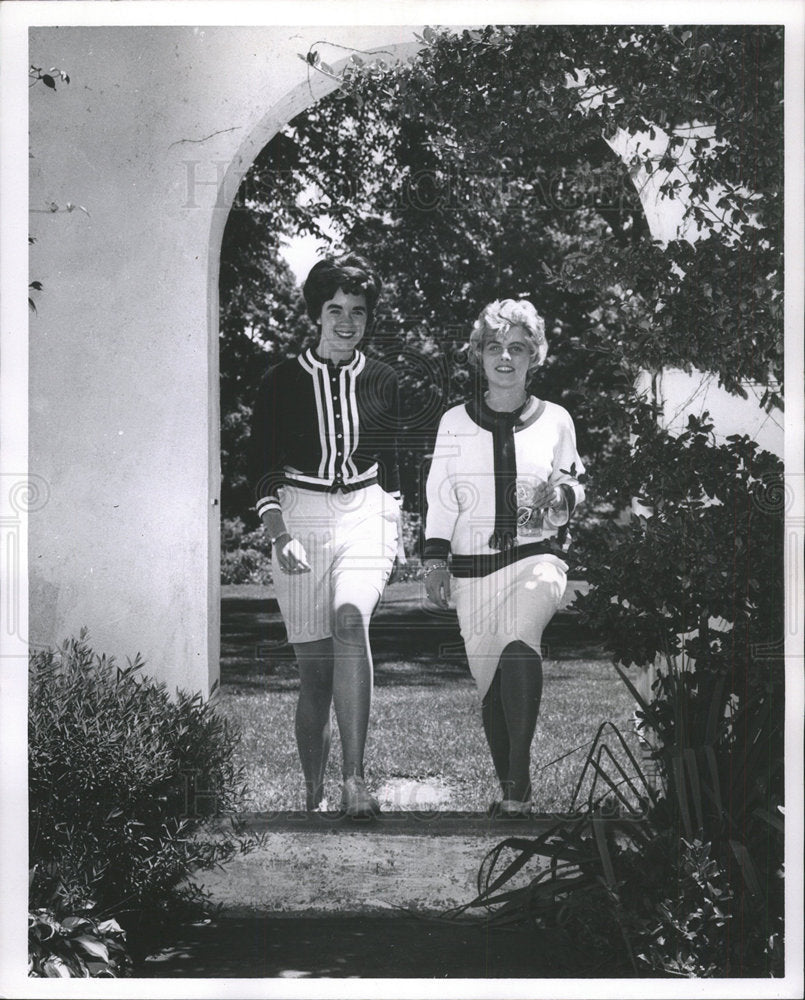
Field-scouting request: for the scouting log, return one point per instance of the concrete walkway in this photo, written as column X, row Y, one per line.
column 330, row 864
column 328, row 897
column 414, row 950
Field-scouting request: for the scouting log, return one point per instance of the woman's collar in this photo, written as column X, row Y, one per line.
column 315, row 358
column 482, row 414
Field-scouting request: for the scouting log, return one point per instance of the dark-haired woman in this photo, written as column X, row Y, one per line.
column 502, row 485
column 327, row 489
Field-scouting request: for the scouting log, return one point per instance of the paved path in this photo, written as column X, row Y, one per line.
column 349, row 947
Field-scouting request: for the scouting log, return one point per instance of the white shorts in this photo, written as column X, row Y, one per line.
column 351, row 542
column 515, row 602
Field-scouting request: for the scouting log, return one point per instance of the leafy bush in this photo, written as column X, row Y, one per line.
column 629, row 895
column 121, row 779
column 711, row 550
column 75, row 947
column 245, row 555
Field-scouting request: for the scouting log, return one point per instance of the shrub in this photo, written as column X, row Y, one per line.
column 245, row 555
column 75, row 947
column 121, row 779
column 696, row 589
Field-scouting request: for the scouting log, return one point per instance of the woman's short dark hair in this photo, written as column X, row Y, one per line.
column 350, row 272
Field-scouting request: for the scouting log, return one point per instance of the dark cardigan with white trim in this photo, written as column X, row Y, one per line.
column 324, row 426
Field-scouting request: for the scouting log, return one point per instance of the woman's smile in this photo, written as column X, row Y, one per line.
column 342, row 325
column 506, row 361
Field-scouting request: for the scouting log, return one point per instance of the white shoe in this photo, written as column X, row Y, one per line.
column 513, row 809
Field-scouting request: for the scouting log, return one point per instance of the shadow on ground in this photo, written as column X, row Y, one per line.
column 353, row 947
column 413, row 644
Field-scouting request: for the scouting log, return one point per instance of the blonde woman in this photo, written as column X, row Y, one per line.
column 503, row 483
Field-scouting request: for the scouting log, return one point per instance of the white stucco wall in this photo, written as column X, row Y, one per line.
column 123, row 426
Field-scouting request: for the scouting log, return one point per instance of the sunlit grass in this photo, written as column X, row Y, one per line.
column 432, row 734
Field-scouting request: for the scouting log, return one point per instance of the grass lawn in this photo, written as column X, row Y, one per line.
column 427, row 742
column 426, row 747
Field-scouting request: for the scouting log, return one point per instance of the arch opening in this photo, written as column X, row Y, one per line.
column 295, row 104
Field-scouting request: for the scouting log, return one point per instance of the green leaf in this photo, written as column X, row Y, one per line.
column 56, row 968
column 92, row 946
column 72, row 923
column 599, row 832
column 748, row 869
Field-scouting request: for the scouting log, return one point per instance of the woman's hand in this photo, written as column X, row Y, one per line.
column 546, row 495
column 557, row 512
column 437, row 582
column 291, row 555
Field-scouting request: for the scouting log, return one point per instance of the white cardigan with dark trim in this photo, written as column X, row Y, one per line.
column 461, row 485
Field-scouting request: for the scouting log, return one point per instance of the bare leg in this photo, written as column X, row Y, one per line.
column 497, row 735
column 352, row 683
column 315, row 661
column 521, row 692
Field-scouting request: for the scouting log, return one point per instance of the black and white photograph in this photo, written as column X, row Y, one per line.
column 402, row 499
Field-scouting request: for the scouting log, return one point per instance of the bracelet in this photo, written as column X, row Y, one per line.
column 282, row 534
column 434, row 566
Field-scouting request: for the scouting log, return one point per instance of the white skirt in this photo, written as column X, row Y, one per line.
column 515, row 602
column 350, row 540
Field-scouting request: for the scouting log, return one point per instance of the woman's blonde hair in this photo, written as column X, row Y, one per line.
column 498, row 317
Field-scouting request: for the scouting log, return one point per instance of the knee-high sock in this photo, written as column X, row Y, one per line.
column 520, row 695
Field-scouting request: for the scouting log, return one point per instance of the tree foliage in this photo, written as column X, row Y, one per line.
column 480, row 170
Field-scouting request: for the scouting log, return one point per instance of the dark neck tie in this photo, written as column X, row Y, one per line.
column 505, row 533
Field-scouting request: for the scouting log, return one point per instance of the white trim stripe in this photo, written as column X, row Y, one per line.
column 298, row 477
column 265, row 504
column 315, row 369
column 320, row 390
column 353, row 411
column 329, row 425
column 346, row 388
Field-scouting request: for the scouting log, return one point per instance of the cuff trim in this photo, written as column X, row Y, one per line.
column 266, row 504
column 436, row 548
